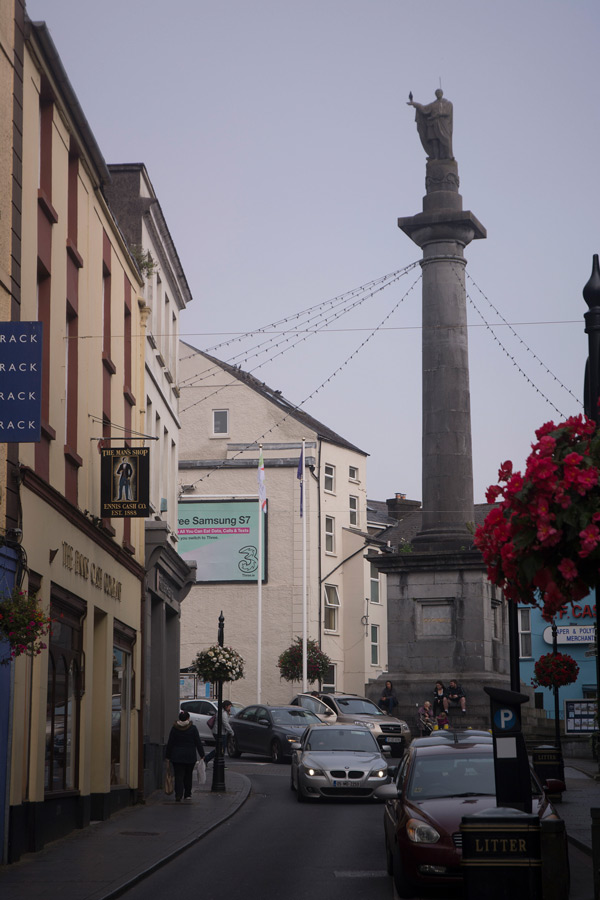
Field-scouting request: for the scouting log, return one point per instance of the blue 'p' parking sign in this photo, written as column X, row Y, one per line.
column 505, row 719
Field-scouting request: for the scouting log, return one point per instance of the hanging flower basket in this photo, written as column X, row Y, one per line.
column 219, row 664
column 542, row 541
column 290, row 662
column 555, row 670
column 23, row 624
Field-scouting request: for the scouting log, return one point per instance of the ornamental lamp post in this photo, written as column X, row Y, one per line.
column 591, row 394
column 218, row 781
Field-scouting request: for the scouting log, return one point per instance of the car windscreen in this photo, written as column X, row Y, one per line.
column 293, row 716
column 330, row 739
column 358, row 706
column 451, row 776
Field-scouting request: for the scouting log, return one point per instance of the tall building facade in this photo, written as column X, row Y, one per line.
column 75, row 753
column 168, row 578
column 228, row 416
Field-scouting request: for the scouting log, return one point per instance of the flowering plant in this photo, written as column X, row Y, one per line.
column 555, row 670
column 290, row 662
column 543, row 538
column 219, row 664
column 23, row 624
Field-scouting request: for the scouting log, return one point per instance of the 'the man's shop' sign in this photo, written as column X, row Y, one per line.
column 125, row 482
column 20, row 382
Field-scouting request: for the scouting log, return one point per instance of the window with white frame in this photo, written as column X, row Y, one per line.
column 329, row 484
column 375, row 597
column 352, row 473
column 329, row 534
column 328, row 684
column 374, row 645
column 524, row 633
column 220, row 421
column 353, row 506
column 331, row 608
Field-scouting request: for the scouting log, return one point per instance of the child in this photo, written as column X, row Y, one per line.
column 442, row 719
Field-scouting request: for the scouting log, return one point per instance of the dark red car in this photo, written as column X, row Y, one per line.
column 437, row 784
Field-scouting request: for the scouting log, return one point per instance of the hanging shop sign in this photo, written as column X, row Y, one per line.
column 571, row 634
column 221, row 537
column 125, row 482
column 20, row 382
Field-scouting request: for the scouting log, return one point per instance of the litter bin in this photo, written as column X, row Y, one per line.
column 547, row 763
column 501, row 855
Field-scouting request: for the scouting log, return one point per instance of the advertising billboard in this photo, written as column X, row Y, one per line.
column 221, row 537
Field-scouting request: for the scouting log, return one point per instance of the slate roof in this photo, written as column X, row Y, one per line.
column 277, row 399
column 407, row 528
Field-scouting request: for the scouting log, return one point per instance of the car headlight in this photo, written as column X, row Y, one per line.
column 291, row 738
column 310, row 770
column 404, row 726
column 367, row 724
column 421, row 833
column 380, row 772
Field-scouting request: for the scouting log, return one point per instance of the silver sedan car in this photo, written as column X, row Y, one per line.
column 337, row 761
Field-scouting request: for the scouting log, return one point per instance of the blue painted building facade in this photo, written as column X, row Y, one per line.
column 575, row 636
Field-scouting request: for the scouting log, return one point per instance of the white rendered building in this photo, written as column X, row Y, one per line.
column 226, row 414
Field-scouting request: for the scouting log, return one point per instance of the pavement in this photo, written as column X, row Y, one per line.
column 107, row 858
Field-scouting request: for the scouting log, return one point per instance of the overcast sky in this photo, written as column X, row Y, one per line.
column 278, row 140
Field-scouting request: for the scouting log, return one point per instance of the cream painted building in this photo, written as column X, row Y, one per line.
column 226, row 414
column 168, row 578
column 75, row 753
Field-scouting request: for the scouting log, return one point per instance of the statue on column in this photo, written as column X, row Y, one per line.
column 434, row 124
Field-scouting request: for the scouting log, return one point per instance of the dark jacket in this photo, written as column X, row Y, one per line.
column 183, row 743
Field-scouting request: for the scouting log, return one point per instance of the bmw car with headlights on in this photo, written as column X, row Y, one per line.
column 338, row 761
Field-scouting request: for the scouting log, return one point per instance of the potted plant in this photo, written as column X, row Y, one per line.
column 219, row 664
column 23, row 624
column 290, row 662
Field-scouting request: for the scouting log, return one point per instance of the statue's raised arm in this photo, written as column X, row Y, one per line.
column 434, row 124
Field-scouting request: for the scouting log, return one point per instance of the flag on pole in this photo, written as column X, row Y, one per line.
column 300, row 476
column 262, row 491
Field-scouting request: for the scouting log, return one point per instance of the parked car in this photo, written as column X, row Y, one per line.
column 340, row 761
column 268, row 730
column 436, row 785
column 200, row 712
column 351, row 709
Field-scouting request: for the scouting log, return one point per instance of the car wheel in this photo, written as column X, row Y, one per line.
column 276, row 752
column 232, row 747
column 404, row 886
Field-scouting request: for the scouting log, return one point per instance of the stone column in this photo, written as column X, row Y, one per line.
column 443, row 230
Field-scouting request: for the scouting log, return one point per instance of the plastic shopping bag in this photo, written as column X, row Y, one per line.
column 200, row 770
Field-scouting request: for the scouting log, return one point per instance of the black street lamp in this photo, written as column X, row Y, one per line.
column 218, row 781
column 591, row 295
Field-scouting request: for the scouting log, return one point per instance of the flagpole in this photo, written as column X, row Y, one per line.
column 304, row 586
column 261, row 494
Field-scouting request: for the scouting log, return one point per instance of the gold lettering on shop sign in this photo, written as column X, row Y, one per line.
column 80, row 565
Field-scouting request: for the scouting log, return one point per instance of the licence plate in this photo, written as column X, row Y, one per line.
column 346, row 784
column 392, row 740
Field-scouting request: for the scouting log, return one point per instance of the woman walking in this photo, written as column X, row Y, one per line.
column 183, row 745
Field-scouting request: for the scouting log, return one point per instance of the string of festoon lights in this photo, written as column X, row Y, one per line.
column 511, row 358
column 294, row 408
column 323, row 313
column 524, row 344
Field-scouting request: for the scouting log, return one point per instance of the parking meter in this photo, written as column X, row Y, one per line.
column 511, row 763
